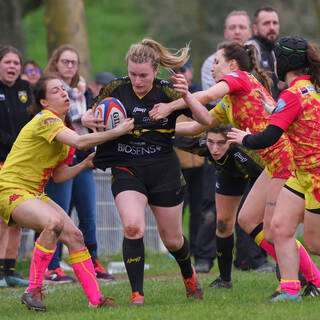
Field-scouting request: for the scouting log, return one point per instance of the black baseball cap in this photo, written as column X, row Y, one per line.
column 104, row 77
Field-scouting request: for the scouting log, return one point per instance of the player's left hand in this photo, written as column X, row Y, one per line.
column 88, row 160
column 236, row 135
column 159, row 111
column 180, row 84
column 88, row 120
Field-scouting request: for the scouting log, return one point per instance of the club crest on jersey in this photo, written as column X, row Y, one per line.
column 280, row 105
column 2, row 97
column 23, row 96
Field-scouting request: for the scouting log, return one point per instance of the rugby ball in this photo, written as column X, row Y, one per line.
column 111, row 111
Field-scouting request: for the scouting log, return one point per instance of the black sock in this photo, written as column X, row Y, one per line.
column 225, row 251
column 92, row 248
column 133, row 257
column 1, row 266
column 182, row 256
column 9, row 266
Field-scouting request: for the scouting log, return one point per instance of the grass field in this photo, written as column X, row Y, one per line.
column 165, row 298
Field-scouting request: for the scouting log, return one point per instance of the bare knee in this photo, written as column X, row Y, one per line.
column 133, row 232
column 221, row 226
column 173, row 243
column 55, row 225
column 225, row 227
column 76, row 236
column 279, row 231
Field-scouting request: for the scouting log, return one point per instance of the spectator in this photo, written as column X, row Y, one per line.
column 101, row 79
column 266, row 31
column 15, row 98
column 81, row 189
column 237, row 28
column 32, row 71
column 192, row 168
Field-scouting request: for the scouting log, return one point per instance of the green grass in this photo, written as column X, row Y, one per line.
column 165, row 298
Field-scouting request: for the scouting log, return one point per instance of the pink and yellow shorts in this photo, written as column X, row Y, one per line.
column 307, row 185
column 10, row 198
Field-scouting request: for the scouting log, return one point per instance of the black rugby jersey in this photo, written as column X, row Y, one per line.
column 238, row 162
column 152, row 140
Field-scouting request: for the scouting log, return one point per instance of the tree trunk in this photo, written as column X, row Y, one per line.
column 11, row 32
column 65, row 24
column 199, row 54
column 316, row 4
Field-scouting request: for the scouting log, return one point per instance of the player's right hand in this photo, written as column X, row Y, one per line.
column 126, row 126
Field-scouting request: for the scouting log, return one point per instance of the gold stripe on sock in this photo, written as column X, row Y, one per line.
column 284, row 280
column 298, row 243
column 91, row 275
column 79, row 256
column 259, row 237
column 43, row 249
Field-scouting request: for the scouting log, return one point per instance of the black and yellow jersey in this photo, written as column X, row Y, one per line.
column 151, row 141
column 238, row 162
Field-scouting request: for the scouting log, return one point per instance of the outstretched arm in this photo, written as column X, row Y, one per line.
column 195, row 102
column 193, row 128
column 89, row 140
column 261, row 140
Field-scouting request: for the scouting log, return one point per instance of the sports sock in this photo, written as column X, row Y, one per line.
column 307, row 266
column 1, row 265
column 39, row 262
column 290, row 286
column 225, row 251
column 257, row 236
column 9, row 266
column 133, row 257
column 83, row 268
column 182, row 257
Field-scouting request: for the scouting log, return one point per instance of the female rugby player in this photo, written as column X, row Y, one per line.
column 242, row 107
column 298, row 114
column 145, row 168
column 41, row 150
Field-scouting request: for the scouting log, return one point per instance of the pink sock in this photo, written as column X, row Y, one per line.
column 290, row 286
column 265, row 245
column 40, row 260
column 83, row 268
column 307, row 266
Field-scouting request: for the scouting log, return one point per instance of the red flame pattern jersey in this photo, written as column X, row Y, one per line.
column 35, row 154
column 298, row 113
column 242, row 108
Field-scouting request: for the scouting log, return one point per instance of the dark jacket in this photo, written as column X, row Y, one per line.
column 13, row 115
column 266, row 59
